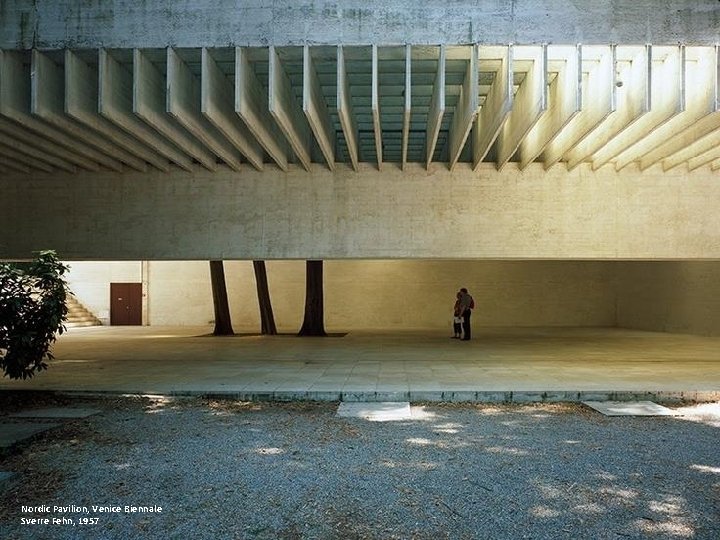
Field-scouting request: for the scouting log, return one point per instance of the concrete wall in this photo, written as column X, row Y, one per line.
column 90, row 282
column 380, row 294
column 159, row 23
column 433, row 214
column 670, row 296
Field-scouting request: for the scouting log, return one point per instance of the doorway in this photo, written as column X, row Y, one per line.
column 126, row 304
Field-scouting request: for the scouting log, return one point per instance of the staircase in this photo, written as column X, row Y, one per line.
column 79, row 315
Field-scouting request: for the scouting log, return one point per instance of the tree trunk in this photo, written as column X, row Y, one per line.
column 223, row 325
column 314, row 324
column 267, row 321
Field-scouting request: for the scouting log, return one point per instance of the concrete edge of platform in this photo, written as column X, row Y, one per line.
column 444, row 396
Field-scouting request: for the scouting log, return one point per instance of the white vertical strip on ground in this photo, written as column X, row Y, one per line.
column 316, row 110
column 149, row 104
column 530, row 100
column 498, row 102
column 345, row 110
column 285, row 110
column 217, row 100
column 564, row 101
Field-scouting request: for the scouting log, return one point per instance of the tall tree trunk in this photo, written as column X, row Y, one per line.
column 223, row 326
column 314, row 324
column 267, row 321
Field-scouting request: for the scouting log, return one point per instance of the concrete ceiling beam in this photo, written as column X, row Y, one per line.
column 47, row 90
column 632, row 70
column 498, row 102
column 437, row 109
column 81, row 104
column 666, row 100
column 564, row 102
column 251, row 107
column 316, row 110
column 530, row 101
column 24, row 159
column 150, row 104
column 183, row 104
column 12, row 139
column 345, row 110
column 466, row 109
column 217, row 104
column 15, row 106
column 698, row 152
column 115, row 104
column 14, row 165
column 285, row 110
column 407, row 109
column 375, row 95
column 701, row 116
column 597, row 101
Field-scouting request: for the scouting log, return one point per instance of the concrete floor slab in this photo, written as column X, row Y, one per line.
column 521, row 364
column 375, row 411
column 55, row 412
column 12, row 434
column 631, row 408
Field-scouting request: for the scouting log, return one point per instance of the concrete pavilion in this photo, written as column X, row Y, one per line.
column 560, row 159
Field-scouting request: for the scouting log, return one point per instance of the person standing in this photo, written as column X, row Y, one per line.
column 467, row 304
column 457, row 317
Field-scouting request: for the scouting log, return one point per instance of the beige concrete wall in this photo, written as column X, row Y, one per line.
column 90, row 282
column 394, row 294
column 391, row 214
column 670, row 296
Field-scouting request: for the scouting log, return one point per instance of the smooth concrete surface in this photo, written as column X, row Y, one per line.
column 342, row 214
column 157, row 23
column 370, row 294
column 669, row 296
column 542, row 364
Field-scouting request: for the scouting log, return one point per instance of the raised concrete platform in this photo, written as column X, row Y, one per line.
column 631, row 408
column 512, row 365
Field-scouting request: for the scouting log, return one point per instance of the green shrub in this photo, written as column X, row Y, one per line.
column 32, row 313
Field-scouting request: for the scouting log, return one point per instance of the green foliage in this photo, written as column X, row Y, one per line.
column 32, row 312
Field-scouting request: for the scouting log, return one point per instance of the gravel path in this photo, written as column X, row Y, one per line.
column 264, row 471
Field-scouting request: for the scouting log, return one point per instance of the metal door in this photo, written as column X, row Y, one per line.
column 126, row 304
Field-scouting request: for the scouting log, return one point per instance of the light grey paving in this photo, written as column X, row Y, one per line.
column 55, row 412
column 517, row 364
column 381, row 411
column 11, row 434
column 631, row 408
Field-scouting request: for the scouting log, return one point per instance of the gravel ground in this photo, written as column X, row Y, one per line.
column 264, row 471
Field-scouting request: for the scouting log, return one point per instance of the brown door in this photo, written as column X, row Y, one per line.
column 126, row 304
